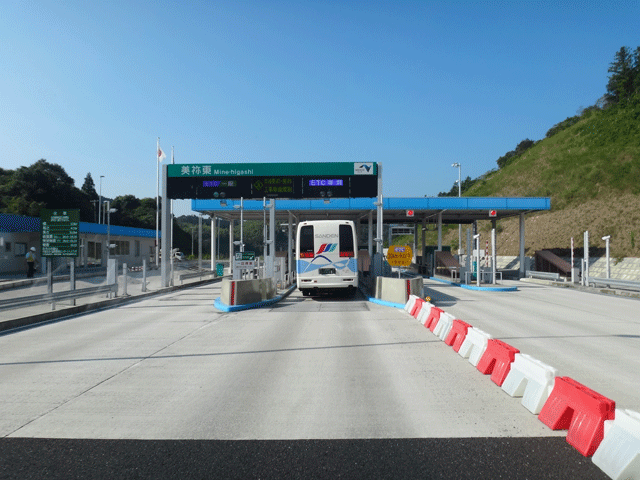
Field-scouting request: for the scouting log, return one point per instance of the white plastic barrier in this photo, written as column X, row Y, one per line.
column 424, row 312
column 444, row 325
column 474, row 345
column 410, row 303
column 530, row 379
column 619, row 452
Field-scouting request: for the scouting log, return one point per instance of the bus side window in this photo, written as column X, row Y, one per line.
column 346, row 241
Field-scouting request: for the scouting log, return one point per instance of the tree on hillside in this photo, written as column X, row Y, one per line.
column 621, row 82
column 522, row 147
column 89, row 188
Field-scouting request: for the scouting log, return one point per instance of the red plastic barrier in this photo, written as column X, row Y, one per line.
column 497, row 360
column 416, row 307
column 583, row 411
column 457, row 334
column 434, row 317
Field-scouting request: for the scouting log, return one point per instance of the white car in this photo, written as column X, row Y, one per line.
column 179, row 256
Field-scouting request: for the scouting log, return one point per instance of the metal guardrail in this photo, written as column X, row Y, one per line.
column 612, row 282
column 543, row 275
column 57, row 297
column 199, row 273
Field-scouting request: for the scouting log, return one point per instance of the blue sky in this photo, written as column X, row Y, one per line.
column 415, row 85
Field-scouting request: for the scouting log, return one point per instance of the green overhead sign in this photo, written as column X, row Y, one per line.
column 272, row 180
column 270, row 169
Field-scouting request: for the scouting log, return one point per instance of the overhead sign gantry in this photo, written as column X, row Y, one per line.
column 272, row 180
column 245, row 181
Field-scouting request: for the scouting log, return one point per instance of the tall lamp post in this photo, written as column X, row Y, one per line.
column 454, row 165
column 100, row 202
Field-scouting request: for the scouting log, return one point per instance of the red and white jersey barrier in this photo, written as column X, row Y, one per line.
column 595, row 427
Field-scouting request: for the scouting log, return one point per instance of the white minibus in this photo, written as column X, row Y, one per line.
column 327, row 256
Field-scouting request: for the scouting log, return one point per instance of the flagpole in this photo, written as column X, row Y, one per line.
column 171, row 217
column 157, row 195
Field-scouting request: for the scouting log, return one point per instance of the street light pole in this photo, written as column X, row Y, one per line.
column 100, row 203
column 459, row 195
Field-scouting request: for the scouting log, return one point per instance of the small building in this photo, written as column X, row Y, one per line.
column 18, row 233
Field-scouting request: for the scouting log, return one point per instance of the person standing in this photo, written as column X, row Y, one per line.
column 31, row 262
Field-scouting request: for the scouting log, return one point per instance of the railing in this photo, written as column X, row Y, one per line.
column 199, row 273
column 611, row 282
column 543, row 275
column 57, row 297
column 483, row 273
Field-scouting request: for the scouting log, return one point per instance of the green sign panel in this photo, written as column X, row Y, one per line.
column 270, row 169
column 60, row 232
column 245, row 255
column 272, row 180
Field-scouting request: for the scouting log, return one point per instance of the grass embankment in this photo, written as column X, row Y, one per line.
column 591, row 172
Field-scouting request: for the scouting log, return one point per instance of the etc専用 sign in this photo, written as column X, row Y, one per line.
column 399, row 255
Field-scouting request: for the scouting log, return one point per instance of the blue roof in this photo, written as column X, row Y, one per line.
column 101, row 229
column 432, row 203
column 20, row 223
column 451, row 209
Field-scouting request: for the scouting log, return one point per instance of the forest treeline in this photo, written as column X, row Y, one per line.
column 623, row 89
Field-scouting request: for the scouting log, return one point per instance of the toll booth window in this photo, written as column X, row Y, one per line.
column 306, row 242
column 346, row 241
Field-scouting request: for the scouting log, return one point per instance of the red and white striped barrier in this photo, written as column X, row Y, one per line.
column 457, row 334
column 496, row 360
column 579, row 409
column 410, row 303
column 424, row 312
column 619, row 453
column 594, row 426
column 444, row 325
column 530, row 379
column 474, row 345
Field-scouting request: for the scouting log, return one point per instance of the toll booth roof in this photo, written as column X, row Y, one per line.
column 395, row 210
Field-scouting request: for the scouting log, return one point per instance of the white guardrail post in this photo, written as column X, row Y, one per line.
column 124, row 283
column 144, row 274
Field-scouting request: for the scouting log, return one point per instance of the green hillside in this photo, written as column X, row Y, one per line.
column 591, row 172
column 597, row 156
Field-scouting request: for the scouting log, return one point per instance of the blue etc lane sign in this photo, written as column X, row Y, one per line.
column 273, row 180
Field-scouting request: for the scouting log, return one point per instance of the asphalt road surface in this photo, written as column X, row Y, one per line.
column 169, row 387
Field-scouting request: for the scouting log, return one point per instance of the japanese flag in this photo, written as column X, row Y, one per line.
column 161, row 155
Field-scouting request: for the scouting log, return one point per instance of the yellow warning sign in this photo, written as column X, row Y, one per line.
column 399, row 255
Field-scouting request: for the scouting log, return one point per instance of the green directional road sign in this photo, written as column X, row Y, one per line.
column 60, row 232
column 245, row 255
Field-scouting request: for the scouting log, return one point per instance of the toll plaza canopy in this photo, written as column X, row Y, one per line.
column 448, row 210
column 435, row 211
